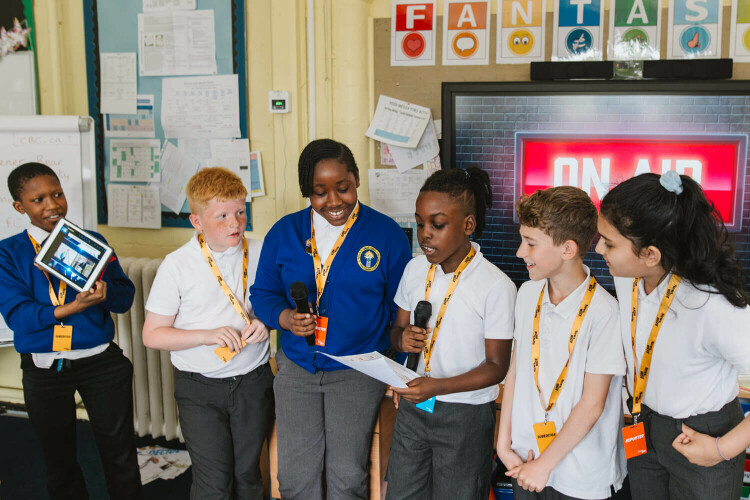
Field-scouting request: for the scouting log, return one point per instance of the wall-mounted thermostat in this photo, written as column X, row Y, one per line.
column 278, row 101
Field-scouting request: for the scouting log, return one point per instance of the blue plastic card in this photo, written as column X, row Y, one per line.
column 427, row 405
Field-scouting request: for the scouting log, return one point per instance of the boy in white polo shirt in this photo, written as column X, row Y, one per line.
column 562, row 406
column 199, row 309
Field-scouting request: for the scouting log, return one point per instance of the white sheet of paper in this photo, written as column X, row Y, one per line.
column 119, row 82
column 427, row 149
column 157, row 5
column 398, row 123
column 200, row 106
column 140, row 124
column 392, row 192
column 134, row 160
column 176, row 170
column 233, row 154
column 130, row 205
column 176, row 42
column 375, row 365
column 196, row 148
column 239, row 163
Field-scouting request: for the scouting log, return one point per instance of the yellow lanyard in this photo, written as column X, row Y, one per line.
column 321, row 272
column 444, row 305
column 238, row 305
column 572, row 339
column 60, row 298
column 640, row 377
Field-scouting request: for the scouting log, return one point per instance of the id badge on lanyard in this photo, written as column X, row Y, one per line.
column 545, row 432
column 62, row 336
column 634, row 436
column 321, row 272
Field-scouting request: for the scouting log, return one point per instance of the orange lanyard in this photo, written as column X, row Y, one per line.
column 321, row 272
column 448, row 296
column 58, row 299
column 572, row 339
column 237, row 304
column 640, row 376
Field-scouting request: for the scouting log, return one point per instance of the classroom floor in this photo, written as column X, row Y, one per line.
column 22, row 465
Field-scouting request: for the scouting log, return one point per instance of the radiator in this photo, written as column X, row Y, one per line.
column 155, row 409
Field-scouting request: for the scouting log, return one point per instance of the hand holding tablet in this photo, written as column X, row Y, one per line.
column 75, row 257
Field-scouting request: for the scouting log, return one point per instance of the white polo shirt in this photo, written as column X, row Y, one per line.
column 481, row 308
column 185, row 287
column 703, row 344
column 598, row 461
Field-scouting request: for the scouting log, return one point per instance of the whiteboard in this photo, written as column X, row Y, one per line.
column 18, row 83
column 66, row 145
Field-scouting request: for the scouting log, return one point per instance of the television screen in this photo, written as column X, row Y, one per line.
column 592, row 135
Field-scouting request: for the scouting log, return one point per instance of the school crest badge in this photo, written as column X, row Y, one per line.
column 368, row 258
column 308, row 247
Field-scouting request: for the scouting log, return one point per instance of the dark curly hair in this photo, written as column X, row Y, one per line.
column 470, row 186
column 22, row 174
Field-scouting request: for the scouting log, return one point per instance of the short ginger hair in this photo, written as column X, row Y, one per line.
column 563, row 213
column 210, row 183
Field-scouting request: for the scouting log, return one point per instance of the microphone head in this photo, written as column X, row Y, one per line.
column 422, row 313
column 298, row 291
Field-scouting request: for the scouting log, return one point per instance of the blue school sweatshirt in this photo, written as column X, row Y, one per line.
column 27, row 309
column 358, row 296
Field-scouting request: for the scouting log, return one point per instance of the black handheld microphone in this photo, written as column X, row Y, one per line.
column 422, row 314
column 298, row 291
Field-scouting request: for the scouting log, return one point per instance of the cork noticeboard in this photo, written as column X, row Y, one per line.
column 422, row 84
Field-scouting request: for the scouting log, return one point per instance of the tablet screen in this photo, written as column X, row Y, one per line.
column 74, row 255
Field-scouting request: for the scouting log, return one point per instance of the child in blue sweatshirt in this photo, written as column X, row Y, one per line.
column 33, row 304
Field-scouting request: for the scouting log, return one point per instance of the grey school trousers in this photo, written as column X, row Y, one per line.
column 445, row 455
column 326, row 420
column 225, row 422
column 664, row 474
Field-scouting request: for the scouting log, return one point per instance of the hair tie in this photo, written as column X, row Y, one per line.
column 670, row 180
column 466, row 173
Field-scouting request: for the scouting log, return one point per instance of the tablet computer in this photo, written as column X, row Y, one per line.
column 73, row 255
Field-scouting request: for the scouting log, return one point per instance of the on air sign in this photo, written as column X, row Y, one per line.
column 413, row 33
column 595, row 163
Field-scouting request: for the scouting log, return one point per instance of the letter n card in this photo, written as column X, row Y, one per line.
column 520, row 27
column 413, row 33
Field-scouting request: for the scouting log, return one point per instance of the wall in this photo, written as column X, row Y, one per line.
column 346, row 88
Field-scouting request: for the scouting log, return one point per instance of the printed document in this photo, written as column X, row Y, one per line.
column 176, row 42
column 427, row 149
column 176, row 170
column 134, row 160
column 394, row 193
column 375, row 365
column 119, row 82
column 398, row 123
column 130, row 205
column 140, row 124
column 157, row 5
column 200, row 106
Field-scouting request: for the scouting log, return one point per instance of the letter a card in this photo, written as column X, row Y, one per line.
column 413, row 33
column 634, row 30
column 577, row 30
column 466, row 32
column 520, row 28
column 694, row 29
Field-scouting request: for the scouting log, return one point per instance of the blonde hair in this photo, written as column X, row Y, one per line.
column 210, row 183
column 563, row 213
